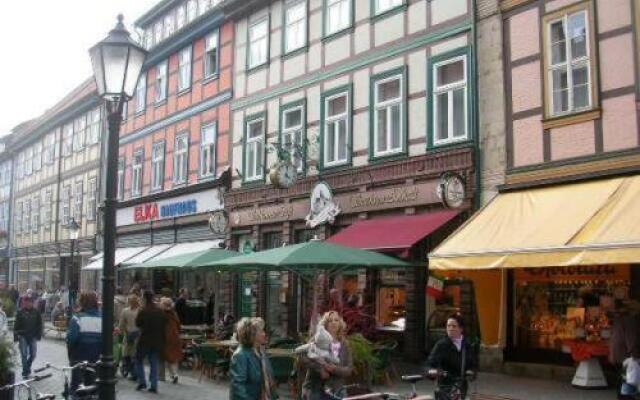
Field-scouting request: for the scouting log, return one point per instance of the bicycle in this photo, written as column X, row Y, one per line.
column 454, row 390
column 342, row 393
column 30, row 389
column 83, row 392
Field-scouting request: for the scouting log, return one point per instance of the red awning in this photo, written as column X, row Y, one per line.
column 392, row 234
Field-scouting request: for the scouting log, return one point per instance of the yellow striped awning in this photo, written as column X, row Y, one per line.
column 586, row 223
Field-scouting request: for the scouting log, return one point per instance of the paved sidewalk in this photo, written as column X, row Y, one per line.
column 54, row 350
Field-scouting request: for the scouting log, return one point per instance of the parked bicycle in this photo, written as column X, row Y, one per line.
column 83, row 392
column 343, row 393
column 454, row 388
column 26, row 384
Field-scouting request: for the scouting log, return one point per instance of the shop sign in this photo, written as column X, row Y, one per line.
column 403, row 196
column 196, row 203
column 573, row 273
column 322, row 207
column 435, row 287
column 267, row 214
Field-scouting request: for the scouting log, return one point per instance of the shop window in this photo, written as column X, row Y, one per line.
column 392, row 300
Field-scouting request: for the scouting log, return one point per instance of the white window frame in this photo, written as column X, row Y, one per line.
column 35, row 213
column 381, row 8
column 79, row 128
column 331, row 29
column 252, row 145
column 157, row 165
column 141, row 93
column 192, row 10
column 158, row 32
column 569, row 64
column 334, row 119
column 261, row 40
column 203, row 6
column 450, row 88
column 212, row 44
column 291, row 133
column 181, row 160
column 92, row 193
column 48, row 151
column 184, row 68
column 20, row 165
column 181, row 16
column 121, row 168
column 208, row 151
column 28, row 164
column 136, row 173
column 388, row 105
column 161, row 81
column 48, row 208
column 37, row 156
column 169, row 24
column 78, row 194
column 148, row 38
column 300, row 42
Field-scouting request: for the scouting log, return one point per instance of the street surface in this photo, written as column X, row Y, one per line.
column 53, row 350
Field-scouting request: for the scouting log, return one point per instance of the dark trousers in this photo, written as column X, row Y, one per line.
column 28, row 350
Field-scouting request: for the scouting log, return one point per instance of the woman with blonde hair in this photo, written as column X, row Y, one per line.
column 322, row 375
column 130, row 333
column 250, row 370
column 172, row 343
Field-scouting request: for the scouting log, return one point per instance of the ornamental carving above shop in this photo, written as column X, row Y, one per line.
column 322, row 208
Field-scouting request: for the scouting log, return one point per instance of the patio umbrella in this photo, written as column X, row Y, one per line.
column 311, row 257
column 187, row 260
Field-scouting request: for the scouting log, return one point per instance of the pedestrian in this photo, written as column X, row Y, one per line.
column 27, row 331
column 57, row 314
column 173, row 344
column 323, row 376
column 84, row 337
column 151, row 321
column 130, row 333
column 14, row 295
column 624, row 331
column 181, row 305
column 250, row 370
column 631, row 367
column 4, row 326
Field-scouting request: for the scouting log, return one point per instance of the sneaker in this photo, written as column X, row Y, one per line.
column 174, row 379
column 141, row 387
column 153, row 390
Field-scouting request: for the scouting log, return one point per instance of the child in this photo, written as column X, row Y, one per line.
column 632, row 373
column 320, row 348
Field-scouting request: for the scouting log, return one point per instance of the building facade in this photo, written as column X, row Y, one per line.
column 6, row 180
column 348, row 115
column 56, row 161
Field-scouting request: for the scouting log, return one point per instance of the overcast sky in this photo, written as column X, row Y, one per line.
column 45, row 47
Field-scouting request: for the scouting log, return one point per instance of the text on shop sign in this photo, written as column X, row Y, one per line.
column 151, row 211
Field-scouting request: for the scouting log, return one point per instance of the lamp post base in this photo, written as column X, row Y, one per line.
column 106, row 379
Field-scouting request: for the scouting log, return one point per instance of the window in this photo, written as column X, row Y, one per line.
column 336, row 129
column 28, row 165
column 258, row 43
column 295, row 35
column 141, row 92
column 568, row 69
column 180, row 159
column 37, row 156
column 26, row 216
column 92, row 205
column 20, row 166
column 169, row 24
column 450, row 100
column 120, row 179
column 157, row 166
column 388, row 112
column 211, row 55
column 18, row 219
column 48, row 151
column 208, row 151
column 293, row 134
column 181, row 16
column 35, row 214
column 4, row 215
column 67, row 137
column 203, row 6
column 148, row 38
column 48, row 204
column 136, row 173
column 95, row 125
column 192, row 10
column 386, row 5
column 77, row 197
column 338, row 15
column 66, row 205
column 254, row 149
column 161, row 81
column 79, row 126
column 184, row 73
column 157, row 33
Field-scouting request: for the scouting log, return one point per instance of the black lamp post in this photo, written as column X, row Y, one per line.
column 74, row 232
column 117, row 62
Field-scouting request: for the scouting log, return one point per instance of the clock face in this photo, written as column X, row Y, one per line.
column 287, row 175
column 218, row 222
column 454, row 191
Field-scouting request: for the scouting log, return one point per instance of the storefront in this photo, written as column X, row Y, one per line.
column 395, row 208
column 560, row 262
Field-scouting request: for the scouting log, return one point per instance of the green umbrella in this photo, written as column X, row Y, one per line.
column 310, row 257
column 188, row 260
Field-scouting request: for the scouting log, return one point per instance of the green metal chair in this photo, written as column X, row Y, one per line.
column 211, row 362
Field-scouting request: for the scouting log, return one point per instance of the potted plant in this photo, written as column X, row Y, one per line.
column 7, row 374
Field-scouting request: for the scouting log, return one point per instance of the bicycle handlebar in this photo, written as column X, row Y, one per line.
column 26, row 382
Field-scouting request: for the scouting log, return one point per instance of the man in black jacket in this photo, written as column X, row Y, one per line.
column 452, row 355
column 151, row 321
column 27, row 331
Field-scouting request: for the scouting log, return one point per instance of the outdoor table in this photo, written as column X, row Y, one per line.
column 589, row 373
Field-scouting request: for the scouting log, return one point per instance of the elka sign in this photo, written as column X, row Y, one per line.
column 149, row 212
column 146, row 212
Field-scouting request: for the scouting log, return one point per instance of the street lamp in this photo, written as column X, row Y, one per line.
column 74, row 232
column 117, row 62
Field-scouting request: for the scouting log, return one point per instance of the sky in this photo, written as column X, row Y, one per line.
column 45, row 46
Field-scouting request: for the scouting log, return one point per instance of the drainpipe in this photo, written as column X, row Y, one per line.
column 475, row 113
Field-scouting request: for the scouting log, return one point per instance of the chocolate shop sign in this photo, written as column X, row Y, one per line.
column 577, row 272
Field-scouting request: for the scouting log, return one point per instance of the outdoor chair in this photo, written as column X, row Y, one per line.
column 211, row 362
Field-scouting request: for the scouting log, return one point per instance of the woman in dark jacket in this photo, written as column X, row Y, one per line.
column 250, row 370
column 451, row 355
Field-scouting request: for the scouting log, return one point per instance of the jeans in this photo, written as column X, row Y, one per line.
column 27, row 353
column 152, row 355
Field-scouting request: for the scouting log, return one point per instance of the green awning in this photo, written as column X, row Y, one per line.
column 187, row 260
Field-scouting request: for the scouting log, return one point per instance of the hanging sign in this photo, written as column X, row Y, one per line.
column 435, row 287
